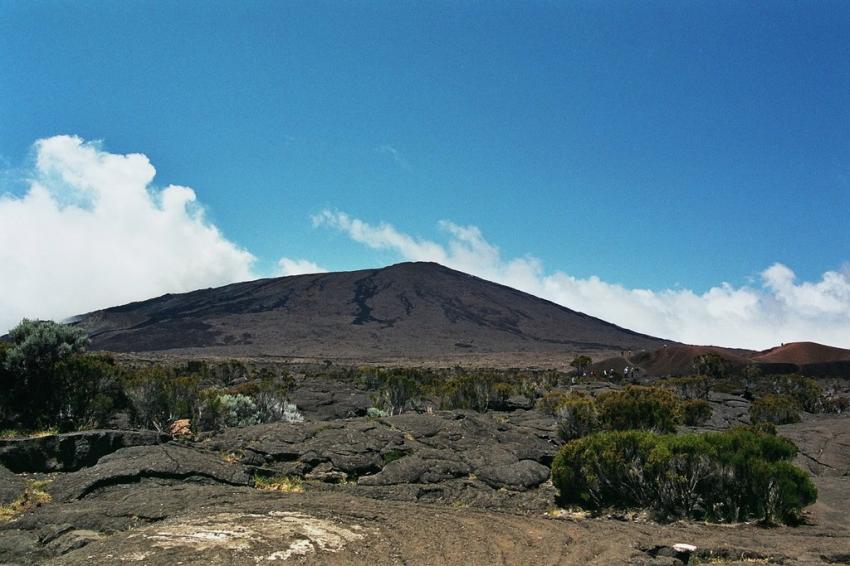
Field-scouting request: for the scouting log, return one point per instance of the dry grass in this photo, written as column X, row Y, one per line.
column 10, row 433
column 284, row 484
column 33, row 496
column 231, row 457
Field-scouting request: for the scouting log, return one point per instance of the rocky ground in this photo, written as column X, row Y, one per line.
column 443, row 488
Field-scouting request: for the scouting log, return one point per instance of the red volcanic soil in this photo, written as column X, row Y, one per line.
column 802, row 353
column 678, row 360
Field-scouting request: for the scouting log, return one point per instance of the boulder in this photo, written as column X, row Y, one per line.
column 519, row 476
column 414, row 469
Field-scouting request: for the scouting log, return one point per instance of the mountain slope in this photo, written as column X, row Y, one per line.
column 405, row 310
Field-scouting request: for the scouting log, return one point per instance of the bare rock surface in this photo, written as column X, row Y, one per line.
column 824, row 444
column 505, row 452
column 11, row 486
column 170, row 461
column 165, row 522
column 727, row 410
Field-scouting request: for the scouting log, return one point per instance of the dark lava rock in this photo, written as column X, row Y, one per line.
column 11, row 486
column 727, row 410
column 519, row 402
column 521, row 475
column 72, row 540
column 170, row 461
column 414, row 469
column 72, row 451
column 405, row 449
column 18, row 547
column 324, row 399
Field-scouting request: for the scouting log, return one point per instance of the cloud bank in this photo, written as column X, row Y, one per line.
column 777, row 309
column 288, row 266
column 91, row 232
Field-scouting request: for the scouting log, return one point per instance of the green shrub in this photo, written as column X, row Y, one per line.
column 806, row 392
column 33, row 390
column 581, row 364
column 576, row 416
column 837, row 404
column 637, row 407
column 776, row 409
column 376, row 413
column 396, row 392
column 548, row 404
column 92, row 390
column 478, row 392
column 695, row 412
column 736, row 475
column 269, row 391
column 693, row 387
column 710, row 365
column 158, row 397
column 239, row 410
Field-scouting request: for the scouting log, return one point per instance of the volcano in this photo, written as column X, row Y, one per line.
column 406, row 310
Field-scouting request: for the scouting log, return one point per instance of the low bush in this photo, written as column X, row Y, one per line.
column 34, row 391
column 549, row 402
column 695, row 412
column 775, row 409
column 736, row 475
column 576, row 416
column 693, row 387
column 239, row 410
column 806, row 392
column 478, row 392
column 396, row 392
column 638, row 407
column 158, row 397
column 836, row 404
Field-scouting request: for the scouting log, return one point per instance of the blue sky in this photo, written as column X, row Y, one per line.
column 654, row 145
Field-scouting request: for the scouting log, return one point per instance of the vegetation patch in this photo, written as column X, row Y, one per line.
column 775, row 409
column 576, row 416
column 637, row 407
column 695, row 412
column 12, row 433
column 737, row 475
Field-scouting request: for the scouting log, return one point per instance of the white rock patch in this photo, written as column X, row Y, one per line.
column 289, row 534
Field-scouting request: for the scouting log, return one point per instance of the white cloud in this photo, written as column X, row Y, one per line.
column 395, row 154
column 776, row 309
column 288, row 266
column 91, row 232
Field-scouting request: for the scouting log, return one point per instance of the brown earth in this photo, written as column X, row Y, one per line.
column 412, row 311
column 802, row 353
column 678, row 359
